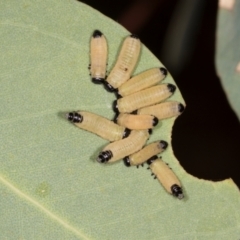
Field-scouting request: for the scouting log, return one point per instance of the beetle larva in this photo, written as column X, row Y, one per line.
column 142, row 81
column 98, row 57
column 143, row 98
column 125, row 64
column 117, row 150
column 137, row 122
column 163, row 110
column 166, row 176
column 146, row 153
column 98, row 125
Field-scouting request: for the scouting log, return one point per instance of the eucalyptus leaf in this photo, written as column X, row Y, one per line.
column 50, row 183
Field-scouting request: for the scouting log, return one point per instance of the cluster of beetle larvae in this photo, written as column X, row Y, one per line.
column 138, row 107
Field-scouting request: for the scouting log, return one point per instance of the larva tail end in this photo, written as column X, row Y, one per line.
column 98, row 80
column 181, row 108
column 171, row 88
column 155, row 122
column 164, row 144
column 177, row 191
column 126, row 133
column 134, row 36
column 115, row 118
column 163, row 71
column 152, row 159
column 115, row 107
column 126, row 161
column 109, row 87
column 117, row 95
column 104, row 157
column 97, row 34
column 74, row 117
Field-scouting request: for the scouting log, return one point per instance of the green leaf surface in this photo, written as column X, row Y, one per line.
column 51, row 187
column 228, row 53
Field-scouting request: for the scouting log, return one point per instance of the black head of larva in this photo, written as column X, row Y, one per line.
column 164, row 144
column 152, row 159
column 126, row 161
column 109, row 87
column 97, row 34
column 177, row 191
column 98, row 80
column 134, row 36
column 155, row 122
column 181, row 108
column 104, row 156
column 74, row 117
column 163, row 71
column 115, row 107
column 126, row 133
column 171, row 88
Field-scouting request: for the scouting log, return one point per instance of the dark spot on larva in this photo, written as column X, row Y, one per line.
column 125, row 69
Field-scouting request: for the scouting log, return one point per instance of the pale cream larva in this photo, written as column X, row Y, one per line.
column 99, row 125
column 166, row 176
column 146, row 153
column 163, row 110
column 125, row 64
column 137, row 122
column 142, row 81
column 117, row 150
column 98, row 57
column 144, row 98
